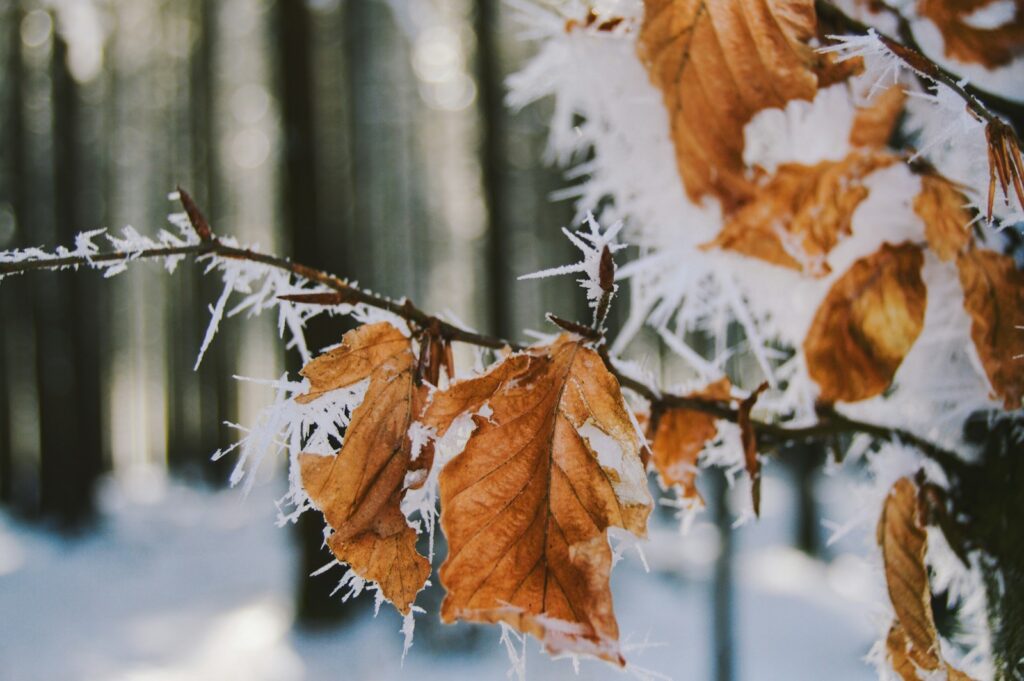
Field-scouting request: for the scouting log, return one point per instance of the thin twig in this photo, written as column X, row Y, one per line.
column 910, row 54
column 830, row 423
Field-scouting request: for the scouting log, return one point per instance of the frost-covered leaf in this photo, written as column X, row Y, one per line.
column 554, row 462
column 873, row 124
column 994, row 299
column 802, row 212
column 990, row 47
column 679, row 438
column 867, row 323
column 359, row 489
column 719, row 63
column 913, row 641
column 943, row 208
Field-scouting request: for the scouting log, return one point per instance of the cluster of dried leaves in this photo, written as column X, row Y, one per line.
column 555, row 458
column 698, row 54
column 526, row 505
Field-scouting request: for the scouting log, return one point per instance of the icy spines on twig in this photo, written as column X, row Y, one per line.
column 289, row 427
column 515, row 647
column 129, row 245
column 596, row 246
column 949, row 134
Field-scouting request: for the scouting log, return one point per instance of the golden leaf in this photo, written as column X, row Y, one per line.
column 800, row 214
column 867, row 323
column 359, row 490
column 943, row 208
column 526, row 505
column 719, row 63
column 994, row 299
column 990, row 47
column 873, row 124
column 913, row 641
column 679, row 438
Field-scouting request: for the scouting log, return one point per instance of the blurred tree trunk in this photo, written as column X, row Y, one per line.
column 11, row 157
column 388, row 216
column 200, row 401
column 807, row 458
column 723, row 615
column 310, row 244
column 523, row 221
column 67, row 362
column 493, row 162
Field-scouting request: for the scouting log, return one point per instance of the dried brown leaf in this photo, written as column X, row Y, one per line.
column 359, row 489
column 913, row 641
column 943, row 208
column 994, row 299
column 679, row 438
column 904, row 543
column 749, row 439
column 867, row 323
column 990, row 47
column 873, row 124
column 802, row 212
column 719, row 63
column 525, row 507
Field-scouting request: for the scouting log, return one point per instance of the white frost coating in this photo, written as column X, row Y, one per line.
column 422, row 501
column 630, row 173
column 965, row 589
column 419, row 436
column 940, row 382
column 290, row 428
column 130, row 243
column 768, row 137
column 611, row 130
column 631, row 485
column 408, row 629
column 592, row 244
column 259, row 285
column 515, row 646
column 622, row 541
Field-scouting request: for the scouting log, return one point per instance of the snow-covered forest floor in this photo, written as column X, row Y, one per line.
column 184, row 584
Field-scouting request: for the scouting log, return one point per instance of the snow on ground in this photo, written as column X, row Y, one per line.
column 185, row 585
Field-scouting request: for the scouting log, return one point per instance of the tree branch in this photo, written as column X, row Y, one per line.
column 830, row 423
column 909, row 52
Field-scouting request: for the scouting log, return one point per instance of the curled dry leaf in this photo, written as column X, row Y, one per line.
column 359, row 490
column 873, row 124
column 994, row 299
column 913, row 641
column 867, row 323
column 990, row 47
column 943, row 208
column 679, row 437
column 525, row 507
column 801, row 213
column 719, row 63
column 749, row 439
